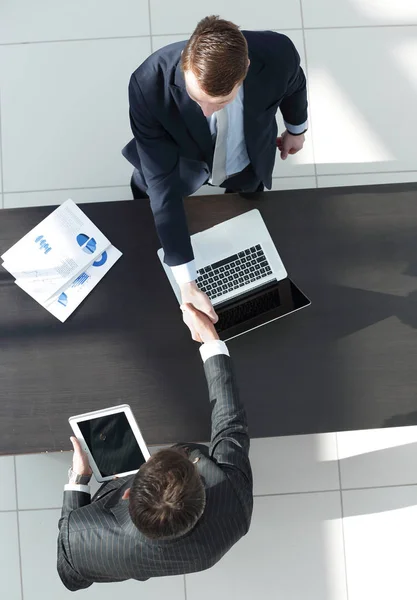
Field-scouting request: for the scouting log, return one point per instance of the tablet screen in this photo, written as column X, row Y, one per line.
column 112, row 444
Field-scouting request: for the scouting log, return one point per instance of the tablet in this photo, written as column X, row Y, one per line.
column 112, row 440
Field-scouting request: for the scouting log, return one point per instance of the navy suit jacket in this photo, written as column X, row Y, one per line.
column 170, row 128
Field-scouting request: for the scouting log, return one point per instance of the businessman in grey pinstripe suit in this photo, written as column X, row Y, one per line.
column 183, row 510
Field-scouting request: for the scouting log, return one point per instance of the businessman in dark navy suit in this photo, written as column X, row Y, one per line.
column 203, row 111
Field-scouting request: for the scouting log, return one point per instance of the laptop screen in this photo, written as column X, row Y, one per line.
column 258, row 307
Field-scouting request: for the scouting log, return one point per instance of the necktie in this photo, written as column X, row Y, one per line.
column 219, row 159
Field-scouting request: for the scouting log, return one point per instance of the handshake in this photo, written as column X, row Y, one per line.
column 198, row 313
column 200, row 325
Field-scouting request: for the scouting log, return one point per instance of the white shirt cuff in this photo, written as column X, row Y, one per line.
column 185, row 273
column 74, row 487
column 296, row 129
column 212, row 348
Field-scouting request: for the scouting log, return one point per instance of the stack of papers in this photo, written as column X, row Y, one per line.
column 61, row 260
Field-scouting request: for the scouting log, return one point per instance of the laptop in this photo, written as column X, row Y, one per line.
column 242, row 273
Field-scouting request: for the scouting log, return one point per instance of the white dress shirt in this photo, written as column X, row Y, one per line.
column 236, row 160
column 207, row 350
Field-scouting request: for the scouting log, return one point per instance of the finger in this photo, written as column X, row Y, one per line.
column 75, row 444
column 185, row 305
column 284, row 154
column 188, row 307
column 196, row 313
column 212, row 315
column 194, row 333
column 196, row 336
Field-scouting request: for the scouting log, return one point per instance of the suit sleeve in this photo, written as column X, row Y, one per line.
column 69, row 576
column 294, row 105
column 159, row 157
column 229, row 446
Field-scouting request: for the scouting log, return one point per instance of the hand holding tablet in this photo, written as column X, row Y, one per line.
column 80, row 462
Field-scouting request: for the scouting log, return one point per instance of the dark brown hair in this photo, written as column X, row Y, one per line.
column 167, row 496
column 217, row 54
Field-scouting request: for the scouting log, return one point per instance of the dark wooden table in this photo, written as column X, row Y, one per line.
column 346, row 362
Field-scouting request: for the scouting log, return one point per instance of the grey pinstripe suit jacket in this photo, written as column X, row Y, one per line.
column 99, row 543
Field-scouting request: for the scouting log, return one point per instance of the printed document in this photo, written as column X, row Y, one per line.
column 61, row 260
column 55, row 252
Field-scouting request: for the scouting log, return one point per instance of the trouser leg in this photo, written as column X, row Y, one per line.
column 138, row 186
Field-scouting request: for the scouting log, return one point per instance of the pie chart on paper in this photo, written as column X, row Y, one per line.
column 63, row 299
column 101, row 260
column 88, row 244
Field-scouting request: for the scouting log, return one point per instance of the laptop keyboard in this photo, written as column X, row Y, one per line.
column 234, row 272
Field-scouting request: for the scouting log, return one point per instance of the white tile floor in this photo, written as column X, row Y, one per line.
column 334, row 519
column 335, row 515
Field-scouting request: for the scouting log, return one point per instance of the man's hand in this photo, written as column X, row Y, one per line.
column 80, row 464
column 290, row 144
column 201, row 327
column 190, row 294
